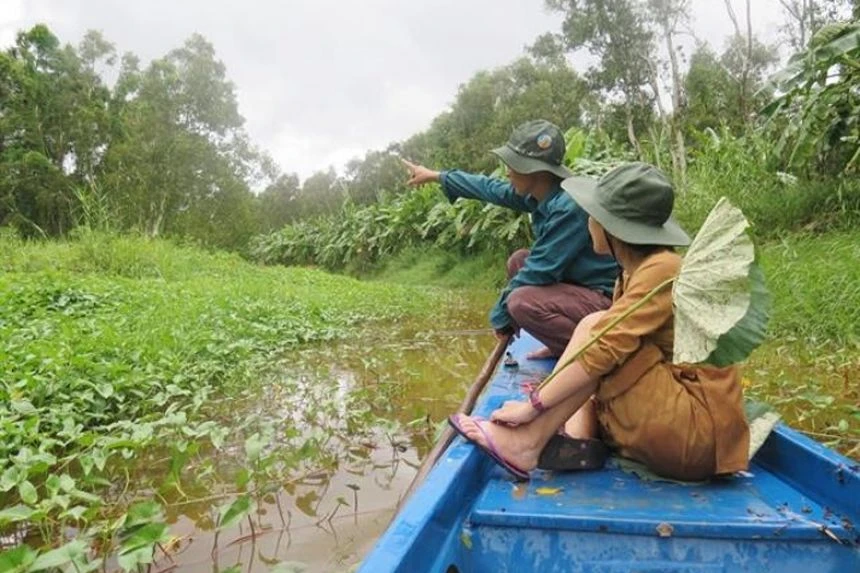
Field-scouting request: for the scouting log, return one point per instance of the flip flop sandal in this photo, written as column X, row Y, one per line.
column 563, row 453
column 490, row 449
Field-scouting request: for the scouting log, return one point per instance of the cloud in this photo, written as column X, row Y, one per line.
column 11, row 12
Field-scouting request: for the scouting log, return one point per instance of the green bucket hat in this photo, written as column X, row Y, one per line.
column 534, row 146
column 632, row 202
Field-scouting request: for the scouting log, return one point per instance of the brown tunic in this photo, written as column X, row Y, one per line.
column 682, row 421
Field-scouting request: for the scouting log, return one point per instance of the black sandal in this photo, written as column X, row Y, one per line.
column 563, row 453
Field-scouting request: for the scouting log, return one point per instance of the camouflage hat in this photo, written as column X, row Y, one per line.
column 633, row 202
column 534, row 146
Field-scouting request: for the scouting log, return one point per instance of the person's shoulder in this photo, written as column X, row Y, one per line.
column 562, row 202
column 666, row 262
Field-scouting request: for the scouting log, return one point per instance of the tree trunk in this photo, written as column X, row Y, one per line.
column 158, row 221
column 657, row 138
column 743, row 100
column 679, row 152
column 631, row 131
column 672, row 123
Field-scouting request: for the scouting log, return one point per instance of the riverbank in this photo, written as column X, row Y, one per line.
column 135, row 377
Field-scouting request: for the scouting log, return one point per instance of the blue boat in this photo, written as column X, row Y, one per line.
column 794, row 510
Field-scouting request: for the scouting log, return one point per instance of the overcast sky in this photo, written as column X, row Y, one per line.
column 322, row 81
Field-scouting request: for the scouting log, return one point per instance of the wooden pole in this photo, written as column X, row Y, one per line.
column 465, row 408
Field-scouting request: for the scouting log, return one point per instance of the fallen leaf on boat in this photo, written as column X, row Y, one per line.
column 665, row 530
column 519, row 491
column 466, row 539
column 823, row 529
column 548, row 490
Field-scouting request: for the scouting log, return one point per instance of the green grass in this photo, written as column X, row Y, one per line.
column 815, row 282
column 434, row 266
column 776, row 204
column 121, row 352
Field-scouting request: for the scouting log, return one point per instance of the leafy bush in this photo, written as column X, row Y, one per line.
column 815, row 118
column 744, row 169
column 358, row 238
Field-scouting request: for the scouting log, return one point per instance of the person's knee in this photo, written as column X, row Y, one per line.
column 585, row 326
column 520, row 305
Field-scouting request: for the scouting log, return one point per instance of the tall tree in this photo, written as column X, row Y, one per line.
column 55, row 126
column 741, row 58
column 321, row 193
column 670, row 16
column 617, row 33
column 493, row 102
column 803, row 18
column 713, row 85
column 182, row 156
column 377, row 173
column 278, row 203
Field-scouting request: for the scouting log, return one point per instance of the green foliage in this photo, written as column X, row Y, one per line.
column 816, row 286
column 114, row 347
column 816, row 116
column 179, row 161
column 53, row 120
column 491, row 104
column 358, row 238
column 615, row 31
column 713, row 86
column 162, row 152
column 235, row 511
column 741, row 168
column 806, row 368
column 745, row 169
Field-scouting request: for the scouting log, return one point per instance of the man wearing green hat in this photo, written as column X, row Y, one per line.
column 561, row 279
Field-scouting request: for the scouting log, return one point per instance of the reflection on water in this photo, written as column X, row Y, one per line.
column 325, row 524
column 373, row 405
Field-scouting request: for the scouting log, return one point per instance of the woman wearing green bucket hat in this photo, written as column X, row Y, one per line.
column 561, row 279
column 681, row 421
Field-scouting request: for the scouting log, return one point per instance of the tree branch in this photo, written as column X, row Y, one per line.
column 733, row 17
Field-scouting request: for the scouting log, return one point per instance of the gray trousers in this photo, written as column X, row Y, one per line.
column 551, row 312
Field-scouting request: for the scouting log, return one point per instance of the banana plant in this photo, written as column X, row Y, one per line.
column 818, row 107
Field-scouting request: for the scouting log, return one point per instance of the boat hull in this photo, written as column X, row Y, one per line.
column 793, row 511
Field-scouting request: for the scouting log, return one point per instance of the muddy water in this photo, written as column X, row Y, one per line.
column 327, row 520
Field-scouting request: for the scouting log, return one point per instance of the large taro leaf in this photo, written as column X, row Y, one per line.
column 735, row 345
column 719, row 297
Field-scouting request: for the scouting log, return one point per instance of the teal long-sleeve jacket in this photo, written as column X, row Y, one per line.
column 562, row 251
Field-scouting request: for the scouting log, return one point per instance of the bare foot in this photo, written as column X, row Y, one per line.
column 513, row 444
column 540, row 354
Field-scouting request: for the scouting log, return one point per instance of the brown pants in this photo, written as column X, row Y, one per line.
column 551, row 312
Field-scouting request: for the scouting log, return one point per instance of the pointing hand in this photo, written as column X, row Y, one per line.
column 419, row 175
